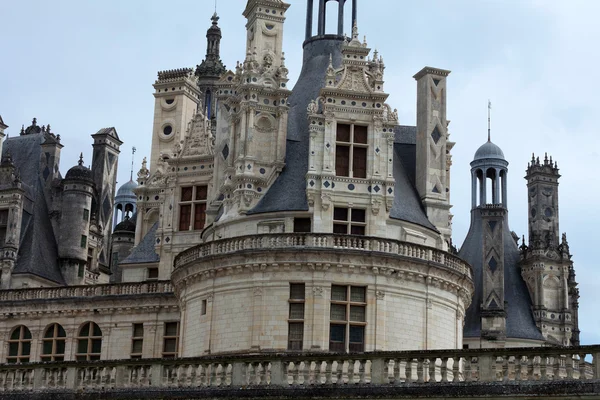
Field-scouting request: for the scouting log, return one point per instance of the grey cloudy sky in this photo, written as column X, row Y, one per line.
column 83, row 65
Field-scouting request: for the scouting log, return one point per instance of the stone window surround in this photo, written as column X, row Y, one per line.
column 22, row 340
column 348, row 322
column 194, row 202
column 351, row 144
column 56, row 335
column 296, row 302
column 137, row 336
column 94, row 342
column 168, row 337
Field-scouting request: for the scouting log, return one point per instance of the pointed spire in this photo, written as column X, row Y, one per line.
column 80, row 162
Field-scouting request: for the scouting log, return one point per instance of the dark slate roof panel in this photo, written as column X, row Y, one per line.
column 519, row 317
column 144, row 252
column 288, row 192
column 407, row 204
column 405, row 134
column 38, row 252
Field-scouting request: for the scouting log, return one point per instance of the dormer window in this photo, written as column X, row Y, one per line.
column 192, row 207
column 351, row 151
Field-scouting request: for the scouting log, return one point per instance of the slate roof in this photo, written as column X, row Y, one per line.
column 144, row 252
column 38, row 251
column 288, row 192
column 519, row 317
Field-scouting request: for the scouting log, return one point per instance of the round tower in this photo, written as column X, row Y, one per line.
column 489, row 167
column 123, row 239
column 125, row 202
column 78, row 190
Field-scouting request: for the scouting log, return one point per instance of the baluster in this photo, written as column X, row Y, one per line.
column 444, row 370
column 306, row 372
column 456, row 369
column 468, row 369
column 431, row 374
column 213, row 374
column 328, row 373
column 556, row 368
column 295, row 373
column 506, row 364
column 408, row 370
column 530, row 369
column 420, row 370
column 582, row 367
column 264, row 366
column 518, row 364
column 361, row 371
column 569, row 359
column 339, row 372
column 396, row 372
column 317, row 375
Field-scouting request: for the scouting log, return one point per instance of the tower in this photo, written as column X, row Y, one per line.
column 546, row 262
column 176, row 101
column 433, row 148
column 211, row 69
column 104, row 170
column 257, row 117
column 73, row 241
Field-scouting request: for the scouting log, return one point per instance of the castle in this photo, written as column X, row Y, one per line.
column 275, row 220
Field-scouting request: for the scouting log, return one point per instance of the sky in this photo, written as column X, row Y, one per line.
column 84, row 65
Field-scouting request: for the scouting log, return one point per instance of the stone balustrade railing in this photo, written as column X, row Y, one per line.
column 135, row 288
column 287, row 370
column 322, row 241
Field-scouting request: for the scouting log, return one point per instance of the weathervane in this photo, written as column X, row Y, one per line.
column 489, row 121
column 133, row 149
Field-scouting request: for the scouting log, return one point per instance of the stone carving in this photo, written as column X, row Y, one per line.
column 380, row 294
column 317, row 291
column 313, row 107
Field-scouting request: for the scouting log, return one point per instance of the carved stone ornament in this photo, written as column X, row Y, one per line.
column 380, row 294
column 199, row 139
column 325, row 201
column 258, row 291
column 317, row 291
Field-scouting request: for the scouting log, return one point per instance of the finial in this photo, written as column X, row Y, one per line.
column 22, row 129
column 43, row 128
column 355, row 31
column 133, row 149
column 34, row 121
column 546, row 159
column 80, row 159
column 489, row 121
column 48, row 128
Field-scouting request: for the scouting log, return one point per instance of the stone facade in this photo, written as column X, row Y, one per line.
column 276, row 230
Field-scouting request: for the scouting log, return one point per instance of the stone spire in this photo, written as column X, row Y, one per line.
column 212, row 66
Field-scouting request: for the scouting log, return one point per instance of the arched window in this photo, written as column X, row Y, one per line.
column 19, row 345
column 53, row 343
column 89, row 342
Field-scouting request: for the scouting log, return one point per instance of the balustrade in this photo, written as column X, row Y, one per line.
column 311, row 370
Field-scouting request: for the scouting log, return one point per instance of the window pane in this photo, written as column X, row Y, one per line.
column 338, row 312
column 47, row 347
column 137, row 346
column 13, row 349
column 295, row 345
column 171, row 329
column 96, row 346
column 49, row 332
column 85, row 331
column 342, row 160
column 340, row 214
column 97, row 331
column 340, row 228
column 82, row 346
column 199, row 215
column 302, row 225
column 359, row 215
column 186, row 193
column 337, row 333
column 185, row 213
column 297, row 291
column 152, row 273
column 357, row 230
column 201, row 192
column 343, row 133
column 357, row 338
column 296, row 331
column 26, row 349
column 357, row 313
column 60, row 347
column 359, row 164
column 170, row 346
column 297, row 311
column 61, row 332
column 138, row 330
column 16, row 335
column 357, row 294
column 360, row 134
column 338, row 293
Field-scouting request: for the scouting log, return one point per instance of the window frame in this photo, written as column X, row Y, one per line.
column 91, row 338
column 296, row 321
column 20, row 357
column 170, row 354
column 193, row 205
column 349, row 223
column 348, row 323
column 351, row 145
column 54, row 340
column 135, row 339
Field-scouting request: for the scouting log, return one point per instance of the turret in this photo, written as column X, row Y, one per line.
column 546, row 262
column 78, row 191
column 105, row 162
column 211, row 69
column 177, row 97
column 433, row 148
column 10, row 218
column 122, row 242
